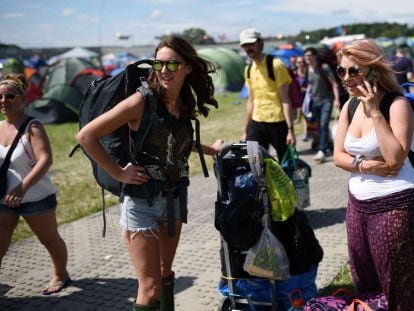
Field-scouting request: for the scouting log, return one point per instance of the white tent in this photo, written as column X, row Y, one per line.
column 344, row 39
column 78, row 52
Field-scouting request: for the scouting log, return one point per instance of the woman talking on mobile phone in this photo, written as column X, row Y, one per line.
column 373, row 145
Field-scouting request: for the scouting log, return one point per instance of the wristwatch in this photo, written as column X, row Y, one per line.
column 357, row 160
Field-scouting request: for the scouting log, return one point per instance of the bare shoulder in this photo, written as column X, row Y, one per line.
column 400, row 103
column 35, row 126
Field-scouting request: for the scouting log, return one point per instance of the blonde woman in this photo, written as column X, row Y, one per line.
column 30, row 192
column 373, row 147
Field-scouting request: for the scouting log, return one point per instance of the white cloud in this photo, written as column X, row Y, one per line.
column 156, row 14
column 68, row 11
column 13, row 15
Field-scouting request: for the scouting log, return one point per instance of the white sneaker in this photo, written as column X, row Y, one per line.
column 320, row 156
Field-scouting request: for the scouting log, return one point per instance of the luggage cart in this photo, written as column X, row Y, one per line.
column 245, row 157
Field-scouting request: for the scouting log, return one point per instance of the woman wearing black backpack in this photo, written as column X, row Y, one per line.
column 373, row 146
column 181, row 83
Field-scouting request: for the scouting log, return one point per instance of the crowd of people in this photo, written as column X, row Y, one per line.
column 372, row 144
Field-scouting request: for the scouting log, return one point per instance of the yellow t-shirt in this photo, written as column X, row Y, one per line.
column 267, row 106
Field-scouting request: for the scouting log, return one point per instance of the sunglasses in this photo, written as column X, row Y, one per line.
column 172, row 65
column 8, row 96
column 353, row 71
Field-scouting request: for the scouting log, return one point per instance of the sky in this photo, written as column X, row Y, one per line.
column 69, row 23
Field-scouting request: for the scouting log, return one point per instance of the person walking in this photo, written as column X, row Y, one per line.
column 30, row 193
column 373, row 146
column 181, row 83
column 300, row 73
column 269, row 111
column 402, row 65
column 325, row 95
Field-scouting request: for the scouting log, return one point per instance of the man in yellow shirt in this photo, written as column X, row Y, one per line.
column 269, row 111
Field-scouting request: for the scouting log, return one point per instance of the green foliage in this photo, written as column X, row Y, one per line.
column 372, row 30
column 197, row 36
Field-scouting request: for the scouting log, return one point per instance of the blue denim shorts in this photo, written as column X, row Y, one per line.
column 36, row 208
column 137, row 215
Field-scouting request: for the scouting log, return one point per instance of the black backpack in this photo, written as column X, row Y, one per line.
column 102, row 95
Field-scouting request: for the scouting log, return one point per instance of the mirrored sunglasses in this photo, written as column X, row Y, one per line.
column 172, row 65
column 353, row 71
column 8, row 96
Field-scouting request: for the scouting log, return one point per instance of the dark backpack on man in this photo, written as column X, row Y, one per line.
column 102, row 95
column 295, row 93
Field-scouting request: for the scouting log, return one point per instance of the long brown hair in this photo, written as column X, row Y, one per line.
column 198, row 82
column 367, row 53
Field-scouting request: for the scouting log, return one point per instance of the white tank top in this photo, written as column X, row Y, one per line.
column 368, row 186
column 21, row 163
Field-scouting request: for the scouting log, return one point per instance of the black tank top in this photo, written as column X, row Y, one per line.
column 165, row 151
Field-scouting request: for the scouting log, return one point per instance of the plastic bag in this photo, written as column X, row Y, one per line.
column 267, row 258
column 299, row 172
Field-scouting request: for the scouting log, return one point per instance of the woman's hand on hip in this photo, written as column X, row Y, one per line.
column 134, row 174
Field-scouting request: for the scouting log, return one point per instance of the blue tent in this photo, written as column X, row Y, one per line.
column 284, row 55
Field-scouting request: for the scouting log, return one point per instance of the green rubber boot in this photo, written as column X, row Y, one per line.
column 153, row 307
column 167, row 294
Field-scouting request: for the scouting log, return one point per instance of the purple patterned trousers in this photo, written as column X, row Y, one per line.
column 381, row 246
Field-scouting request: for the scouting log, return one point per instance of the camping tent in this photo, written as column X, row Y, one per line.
column 229, row 68
column 285, row 54
column 77, row 52
column 66, row 85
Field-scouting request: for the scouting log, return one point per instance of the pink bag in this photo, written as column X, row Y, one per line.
column 346, row 300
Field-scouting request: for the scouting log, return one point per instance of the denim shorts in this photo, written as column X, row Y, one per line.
column 137, row 215
column 36, row 208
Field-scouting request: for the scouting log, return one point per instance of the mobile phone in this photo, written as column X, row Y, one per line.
column 372, row 76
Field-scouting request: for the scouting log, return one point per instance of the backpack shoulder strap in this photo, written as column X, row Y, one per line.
column 149, row 119
column 269, row 65
column 352, row 107
column 13, row 146
column 386, row 102
column 197, row 145
column 255, row 161
column 249, row 68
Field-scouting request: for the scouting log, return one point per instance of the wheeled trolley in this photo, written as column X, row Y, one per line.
column 241, row 213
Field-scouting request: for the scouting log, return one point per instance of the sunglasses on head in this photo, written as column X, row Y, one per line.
column 172, row 65
column 8, row 96
column 353, row 71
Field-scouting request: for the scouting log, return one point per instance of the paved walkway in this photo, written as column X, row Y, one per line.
column 103, row 278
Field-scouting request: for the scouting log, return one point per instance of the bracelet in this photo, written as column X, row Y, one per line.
column 360, row 167
column 357, row 160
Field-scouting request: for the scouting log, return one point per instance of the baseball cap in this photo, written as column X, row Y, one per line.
column 250, row 35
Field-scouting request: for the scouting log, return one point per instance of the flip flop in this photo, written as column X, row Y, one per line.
column 56, row 288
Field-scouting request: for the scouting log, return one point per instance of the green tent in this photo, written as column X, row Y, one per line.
column 229, row 68
column 62, row 98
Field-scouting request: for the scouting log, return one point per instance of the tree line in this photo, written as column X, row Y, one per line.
column 372, row 30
